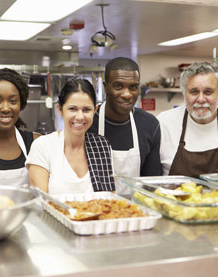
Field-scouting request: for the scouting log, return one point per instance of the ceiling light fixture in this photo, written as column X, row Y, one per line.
column 103, row 38
column 20, row 30
column 66, row 47
column 66, row 44
column 189, row 39
column 37, row 10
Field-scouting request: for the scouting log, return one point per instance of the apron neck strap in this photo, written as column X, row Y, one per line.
column 20, row 142
column 101, row 125
column 101, row 119
column 184, row 124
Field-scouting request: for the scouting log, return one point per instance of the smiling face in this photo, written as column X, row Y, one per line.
column 9, row 105
column 78, row 112
column 122, row 91
column 201, row 96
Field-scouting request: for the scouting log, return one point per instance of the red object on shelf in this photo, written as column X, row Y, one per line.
column 183, row 66
column 148, row 104
column 77, row 25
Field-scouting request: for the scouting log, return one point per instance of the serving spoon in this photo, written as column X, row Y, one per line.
column 72, row 211
column 135, row 182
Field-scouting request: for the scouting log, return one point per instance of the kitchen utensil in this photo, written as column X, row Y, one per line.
column 136, row 181
column 11, row 219
column 84, row 216
column 168, row 82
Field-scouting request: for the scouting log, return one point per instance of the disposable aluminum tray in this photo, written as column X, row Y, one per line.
column 178, row 210
column 106, row 226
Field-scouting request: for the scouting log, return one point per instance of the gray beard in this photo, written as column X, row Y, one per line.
column 195, row 116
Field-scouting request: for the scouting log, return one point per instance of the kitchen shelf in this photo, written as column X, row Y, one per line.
column 36, row 69
column 171, row 92
column 53, row 101
column 174, row 90
column 39, row 101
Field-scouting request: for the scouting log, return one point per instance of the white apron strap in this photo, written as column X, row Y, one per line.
column 21, row 142
column 101, row 119
column 134, row 132
column 101, row 124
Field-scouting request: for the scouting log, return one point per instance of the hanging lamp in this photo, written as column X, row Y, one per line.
column 103, row 38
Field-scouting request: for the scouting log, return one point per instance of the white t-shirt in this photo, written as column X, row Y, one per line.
column 198, row 137
column 48, row 152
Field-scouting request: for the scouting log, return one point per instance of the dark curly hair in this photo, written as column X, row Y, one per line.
column 19, row 82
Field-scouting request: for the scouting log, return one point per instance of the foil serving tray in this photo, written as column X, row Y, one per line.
column 105, row 226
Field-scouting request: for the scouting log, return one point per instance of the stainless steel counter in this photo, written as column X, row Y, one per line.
column 44, row 247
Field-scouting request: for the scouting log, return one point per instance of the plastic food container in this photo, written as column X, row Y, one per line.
column 106, row 226
column 210, row 177
column 198, row 207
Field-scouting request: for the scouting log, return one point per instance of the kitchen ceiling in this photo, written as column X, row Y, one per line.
column 137, row 25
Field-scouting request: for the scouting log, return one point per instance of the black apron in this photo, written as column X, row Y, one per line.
column 193, row 163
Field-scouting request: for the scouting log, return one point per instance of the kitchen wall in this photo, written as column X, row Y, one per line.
column 152, row 67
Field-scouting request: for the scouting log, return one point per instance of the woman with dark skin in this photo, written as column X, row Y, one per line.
column 14, row 143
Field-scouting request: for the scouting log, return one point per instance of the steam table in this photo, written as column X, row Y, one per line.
column 44, row 247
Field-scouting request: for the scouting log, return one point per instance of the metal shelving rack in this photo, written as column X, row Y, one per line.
column 55, row 75
column 36, row 69
column 53, row 70
column 171, row 92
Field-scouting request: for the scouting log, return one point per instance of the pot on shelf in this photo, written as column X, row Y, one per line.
column 167, row 82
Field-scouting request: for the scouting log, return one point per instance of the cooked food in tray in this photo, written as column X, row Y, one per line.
column 104, row 208
column 6, row 202
column 100, row 213
column 200, row 205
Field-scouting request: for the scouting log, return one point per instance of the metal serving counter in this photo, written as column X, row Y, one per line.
column 44, row 247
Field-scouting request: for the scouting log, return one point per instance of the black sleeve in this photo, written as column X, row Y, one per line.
column 148, row 130
column 152, row 165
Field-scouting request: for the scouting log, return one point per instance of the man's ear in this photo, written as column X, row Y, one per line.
column 105, row 87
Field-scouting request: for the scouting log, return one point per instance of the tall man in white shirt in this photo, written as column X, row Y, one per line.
column 189, row 134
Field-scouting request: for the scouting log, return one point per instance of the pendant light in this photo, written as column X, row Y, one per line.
column 103, row 38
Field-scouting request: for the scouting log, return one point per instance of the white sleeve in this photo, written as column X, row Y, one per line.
column 39, row 153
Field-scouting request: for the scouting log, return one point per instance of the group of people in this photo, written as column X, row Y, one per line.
column 114, row 138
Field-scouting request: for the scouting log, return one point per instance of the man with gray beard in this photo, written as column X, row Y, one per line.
column 189, row 134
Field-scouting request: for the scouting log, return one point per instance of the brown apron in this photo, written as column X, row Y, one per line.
column 193, row 163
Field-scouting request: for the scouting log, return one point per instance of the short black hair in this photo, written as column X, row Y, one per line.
column 120, row 63
column 19, row 82
column 76, row 85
